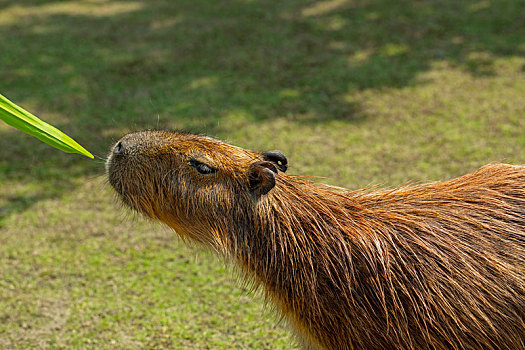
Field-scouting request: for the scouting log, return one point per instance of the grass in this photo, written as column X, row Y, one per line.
column 358, row 92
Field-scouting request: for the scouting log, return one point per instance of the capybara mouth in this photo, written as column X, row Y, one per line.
column 115, row 176
column 129, row 193
column 123, row 174
column 113, row 169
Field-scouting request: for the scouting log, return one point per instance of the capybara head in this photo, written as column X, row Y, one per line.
column 190, row 182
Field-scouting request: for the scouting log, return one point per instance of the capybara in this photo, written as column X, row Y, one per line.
column 432, row 266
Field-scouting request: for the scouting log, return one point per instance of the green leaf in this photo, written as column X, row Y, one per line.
column 23, row 120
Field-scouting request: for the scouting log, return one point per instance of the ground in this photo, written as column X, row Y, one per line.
column 354, row 92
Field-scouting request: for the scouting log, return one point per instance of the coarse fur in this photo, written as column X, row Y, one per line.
column 433, row 266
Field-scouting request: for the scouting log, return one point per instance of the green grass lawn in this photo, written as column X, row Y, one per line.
column 358, row 92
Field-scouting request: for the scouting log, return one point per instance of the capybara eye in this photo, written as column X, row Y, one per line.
column 202, row 168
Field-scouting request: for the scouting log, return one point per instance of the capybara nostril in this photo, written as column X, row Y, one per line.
column 119, row 148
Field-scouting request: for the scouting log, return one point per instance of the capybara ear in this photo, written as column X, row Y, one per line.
column 262, row 177
column 278, row 158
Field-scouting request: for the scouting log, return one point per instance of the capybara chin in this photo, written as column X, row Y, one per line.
column 434, row 266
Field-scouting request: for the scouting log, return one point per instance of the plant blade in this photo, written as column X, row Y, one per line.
column 24, row 121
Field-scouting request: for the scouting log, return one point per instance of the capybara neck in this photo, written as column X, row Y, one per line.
column 435, row 266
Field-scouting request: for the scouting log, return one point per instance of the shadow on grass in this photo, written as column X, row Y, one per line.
column 98, row 69
column 16, row 204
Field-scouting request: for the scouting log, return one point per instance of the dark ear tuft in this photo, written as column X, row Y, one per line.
column 278, row 158
column 262, row 177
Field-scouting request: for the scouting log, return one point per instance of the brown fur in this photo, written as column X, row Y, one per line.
column 434, row 266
